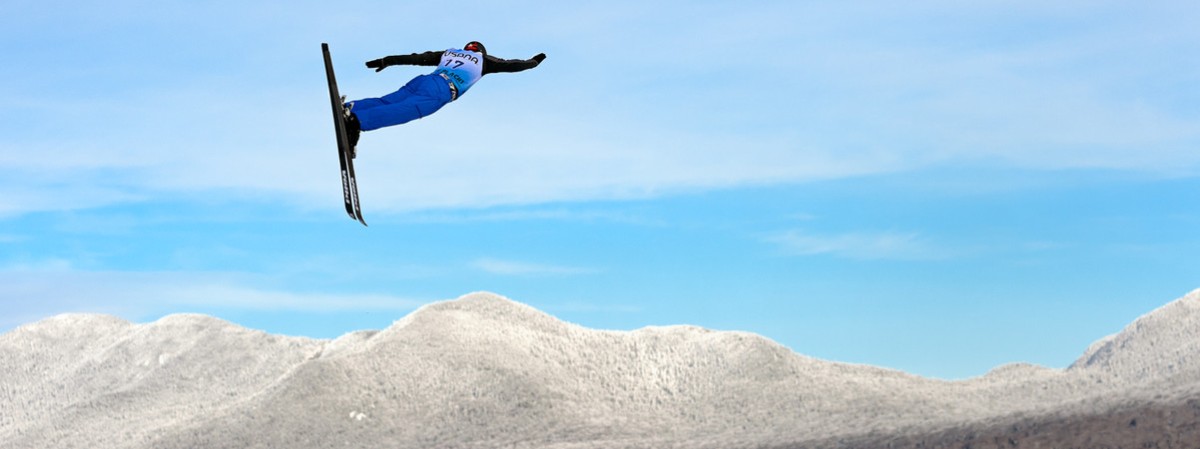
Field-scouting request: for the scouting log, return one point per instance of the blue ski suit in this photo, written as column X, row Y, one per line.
column 457, row 70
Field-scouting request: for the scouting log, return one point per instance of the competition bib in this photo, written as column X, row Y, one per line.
column 461, row 67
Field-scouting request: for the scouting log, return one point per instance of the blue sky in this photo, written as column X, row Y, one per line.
column 935, row 187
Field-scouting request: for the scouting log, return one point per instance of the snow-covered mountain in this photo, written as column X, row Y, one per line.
column 485, row 371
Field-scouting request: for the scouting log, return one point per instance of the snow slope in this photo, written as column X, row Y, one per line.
column 485, row 371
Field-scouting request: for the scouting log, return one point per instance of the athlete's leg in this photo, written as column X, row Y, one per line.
column 422, row 96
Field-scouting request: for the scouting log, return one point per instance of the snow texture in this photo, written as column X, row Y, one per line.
column 485, row 371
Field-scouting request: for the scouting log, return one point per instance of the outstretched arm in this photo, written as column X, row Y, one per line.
column 497, row 65
column 427, row 58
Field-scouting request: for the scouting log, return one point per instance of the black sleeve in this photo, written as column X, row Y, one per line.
column 427, row 58
column 493, row 64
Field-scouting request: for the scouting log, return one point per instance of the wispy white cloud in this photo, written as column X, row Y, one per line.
column 32, row 291
column 248, row 297
column 851, row 93
column 533, row 214
column 22, row 192
column 859, row 245
column 514, row 268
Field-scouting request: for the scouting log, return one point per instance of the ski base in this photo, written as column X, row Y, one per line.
column 349, row 183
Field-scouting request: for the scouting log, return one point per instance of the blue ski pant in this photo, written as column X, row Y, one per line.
column 421, row 97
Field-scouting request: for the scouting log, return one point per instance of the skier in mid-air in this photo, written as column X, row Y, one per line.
column 458, row 69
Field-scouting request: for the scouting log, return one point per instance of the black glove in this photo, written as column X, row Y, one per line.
column 539, row 57
column 376, row 64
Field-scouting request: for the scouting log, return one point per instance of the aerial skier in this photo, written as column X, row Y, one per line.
column 457, row 70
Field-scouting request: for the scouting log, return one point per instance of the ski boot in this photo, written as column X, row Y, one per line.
column 353, row 128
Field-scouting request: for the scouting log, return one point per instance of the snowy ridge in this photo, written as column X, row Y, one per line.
column 1163, row 342
column 485, row 371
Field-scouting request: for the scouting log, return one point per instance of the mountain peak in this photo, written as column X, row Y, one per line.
column 479, row 307
column 486, row 303
column 72, row 325
column 1157, row 343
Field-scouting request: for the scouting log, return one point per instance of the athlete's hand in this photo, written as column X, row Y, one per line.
column 539, row 57
column 376, row 64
